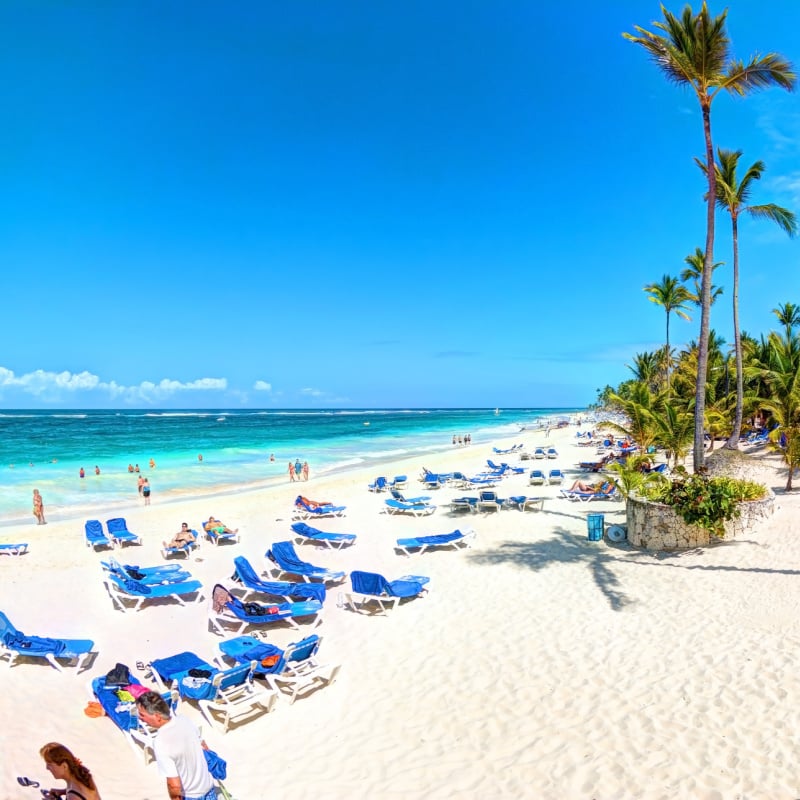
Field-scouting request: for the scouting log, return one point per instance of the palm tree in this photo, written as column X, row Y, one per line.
column 695, row 50
column 694, row 272
column 733, row 195
column 788, row 315
column 780, row 371
column 674, row 431
column 638, row 408
column 645, row 369
column 673, row 297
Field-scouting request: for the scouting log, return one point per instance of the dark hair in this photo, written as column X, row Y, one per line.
column 154, row 703
column 56, row 753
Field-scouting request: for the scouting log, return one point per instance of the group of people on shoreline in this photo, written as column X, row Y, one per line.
column 298, row 471
column 462, row 441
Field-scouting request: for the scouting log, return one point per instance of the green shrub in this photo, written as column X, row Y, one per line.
column 704, row 501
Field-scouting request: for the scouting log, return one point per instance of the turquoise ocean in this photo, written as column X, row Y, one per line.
column 45, row 450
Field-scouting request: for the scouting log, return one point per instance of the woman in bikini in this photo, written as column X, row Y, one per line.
column 38, row 508
column 63, row 766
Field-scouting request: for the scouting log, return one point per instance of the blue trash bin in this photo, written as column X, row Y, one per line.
column 596, row 526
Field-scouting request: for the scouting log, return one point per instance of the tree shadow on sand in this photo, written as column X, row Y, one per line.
column 562, row 547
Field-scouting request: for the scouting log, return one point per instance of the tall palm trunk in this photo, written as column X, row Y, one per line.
column 705, row 296
column 667, row 360
column 733, row 442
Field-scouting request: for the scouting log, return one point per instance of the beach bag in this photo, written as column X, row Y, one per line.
column 118, row 677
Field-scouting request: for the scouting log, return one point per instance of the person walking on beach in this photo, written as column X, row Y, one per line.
column 291, row 473
column 63, row 766
column 298, row 468
column 305, row 470
column 140, row 482
column 146, row 491
column 38, row 508
column 82, row 474
column 178, row 749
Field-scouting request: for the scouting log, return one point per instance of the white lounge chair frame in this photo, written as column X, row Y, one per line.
column 239, row 700
column 300, row 678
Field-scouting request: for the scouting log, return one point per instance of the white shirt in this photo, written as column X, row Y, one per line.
column 179, row 755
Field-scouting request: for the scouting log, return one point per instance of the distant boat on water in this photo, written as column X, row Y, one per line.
column 220, row 419
column 497, row 412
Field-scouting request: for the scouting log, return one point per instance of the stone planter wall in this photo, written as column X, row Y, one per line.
column 654, row 526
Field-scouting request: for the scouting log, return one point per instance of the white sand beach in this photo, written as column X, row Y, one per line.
column 539, row 664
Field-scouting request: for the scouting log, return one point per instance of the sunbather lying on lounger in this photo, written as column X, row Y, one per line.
column 183, row 537
column 220, row 527
column 314, row 503
column 582, row 486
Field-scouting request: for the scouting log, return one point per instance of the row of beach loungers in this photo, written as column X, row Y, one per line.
column 249, row 675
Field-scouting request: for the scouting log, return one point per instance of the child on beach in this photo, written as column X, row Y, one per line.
column 63, row 766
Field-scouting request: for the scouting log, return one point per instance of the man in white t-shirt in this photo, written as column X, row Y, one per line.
column 178, row 750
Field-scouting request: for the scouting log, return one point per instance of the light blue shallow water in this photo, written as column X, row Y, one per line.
column 46, row 449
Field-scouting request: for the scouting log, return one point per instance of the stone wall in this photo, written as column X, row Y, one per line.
column 655, row 526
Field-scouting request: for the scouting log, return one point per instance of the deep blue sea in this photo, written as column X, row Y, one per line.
column 46, row 449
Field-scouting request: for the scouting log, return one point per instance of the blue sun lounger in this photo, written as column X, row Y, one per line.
column 229, row 693
column 95, row 535
column 125, row 717
column 183, row 550
column 252, row 583
column 118, row 531
column 373, row 593
column 14, row 644
column 149, row 576
column 455, row 540
column 303, row 510
column 305, row 533
column 226, row 610
column 294, row 671
column 14, row 549
column 128, row 594
column 416, row 509
column 286, row 561
column 217, row 534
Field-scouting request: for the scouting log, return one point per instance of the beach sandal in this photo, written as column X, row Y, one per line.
column 141, row 666
column 28, row 782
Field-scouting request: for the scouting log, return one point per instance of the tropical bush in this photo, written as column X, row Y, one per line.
column 704, row 501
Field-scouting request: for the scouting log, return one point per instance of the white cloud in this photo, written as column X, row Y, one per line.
column 262, row 386
column 55, row 385
column 312, row 392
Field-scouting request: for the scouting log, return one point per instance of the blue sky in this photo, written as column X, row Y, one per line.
column 360, row 204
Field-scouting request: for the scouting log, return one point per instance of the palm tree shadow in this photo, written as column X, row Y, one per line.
column 562, row 547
